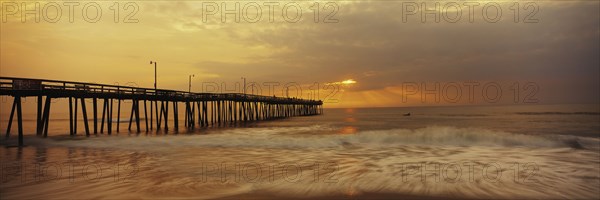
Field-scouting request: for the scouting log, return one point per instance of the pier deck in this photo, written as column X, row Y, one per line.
column 201, row 109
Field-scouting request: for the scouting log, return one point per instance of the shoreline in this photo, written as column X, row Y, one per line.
column 257, row 195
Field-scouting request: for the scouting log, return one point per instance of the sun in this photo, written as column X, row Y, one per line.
column 349, row 82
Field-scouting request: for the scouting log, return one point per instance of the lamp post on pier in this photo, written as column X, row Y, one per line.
column 244, row 85
column 151, row 62
column 190, row 84
column 155, row 93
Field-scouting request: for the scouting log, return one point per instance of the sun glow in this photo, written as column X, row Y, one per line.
column 349, row 82
column 345, row 82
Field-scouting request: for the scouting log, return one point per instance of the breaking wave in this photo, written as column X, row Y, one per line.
column 557, row 113
column 304, row 137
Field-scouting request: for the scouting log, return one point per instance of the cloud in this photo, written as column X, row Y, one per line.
column 370, row 44
column 372, row 39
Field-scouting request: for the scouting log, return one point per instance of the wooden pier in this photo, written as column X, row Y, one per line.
column 201, row 109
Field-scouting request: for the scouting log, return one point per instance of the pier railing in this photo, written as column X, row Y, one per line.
column 33, row 87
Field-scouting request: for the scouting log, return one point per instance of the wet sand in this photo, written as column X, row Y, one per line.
column 366, row 196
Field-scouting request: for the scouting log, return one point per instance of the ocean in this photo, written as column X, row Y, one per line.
column 499, row 151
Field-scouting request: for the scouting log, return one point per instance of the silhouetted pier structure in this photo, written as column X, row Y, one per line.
column 201, row 109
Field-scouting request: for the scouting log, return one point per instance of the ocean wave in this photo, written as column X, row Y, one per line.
column 297, row 137
column 452, row 136
column 557, row 113
column 464, row 115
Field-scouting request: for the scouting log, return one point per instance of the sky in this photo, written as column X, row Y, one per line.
column 347, row 53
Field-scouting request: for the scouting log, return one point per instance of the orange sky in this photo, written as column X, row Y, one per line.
column 366, row 41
